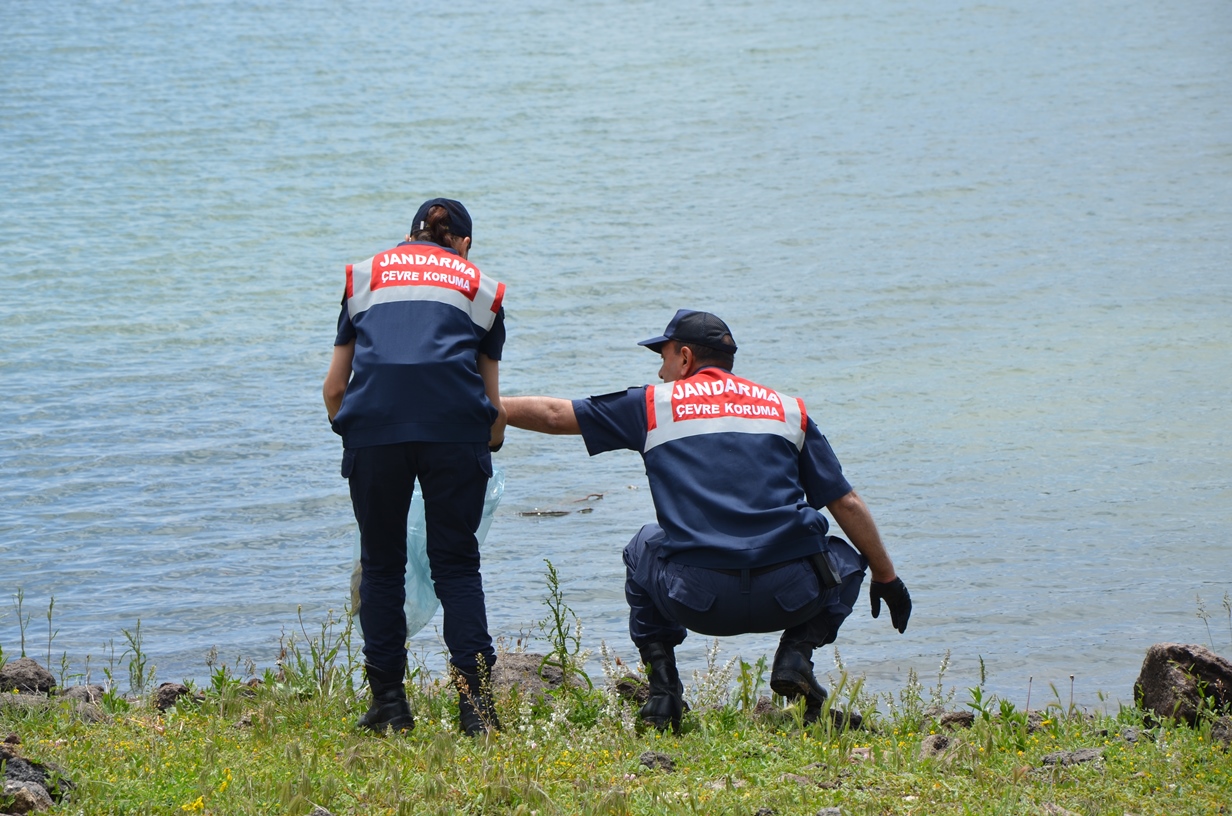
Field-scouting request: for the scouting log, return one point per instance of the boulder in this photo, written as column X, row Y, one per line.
column 1175, row 677
column 657, row 761
column 941, row 747
column 1222, row 731
column 25, row 675
column 168, row 694
column 527, row 672
column 1079, row 757
column 40, row 780
column 86, row 694
column 24, row 797
column 633, row 689
column 958, row 719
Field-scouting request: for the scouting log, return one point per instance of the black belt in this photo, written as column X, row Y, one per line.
column 753, row 572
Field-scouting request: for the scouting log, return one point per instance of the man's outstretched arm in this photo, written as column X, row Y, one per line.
column 548, row 415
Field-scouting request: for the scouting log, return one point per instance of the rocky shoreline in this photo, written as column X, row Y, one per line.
column 1178, row 682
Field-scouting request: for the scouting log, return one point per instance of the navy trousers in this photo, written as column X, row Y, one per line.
column 666, row 599
column 454, row 481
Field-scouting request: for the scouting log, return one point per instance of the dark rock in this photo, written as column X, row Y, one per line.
column 769, row 714
column 168, row 694
column 1221, row 731
column 764, row 707
column 958, row 719
column 764, row 812
column 1175, row 677
column 25, row 797
column 632, row 689
column 1072, row 757
column 526, row 672
column 12, row 739
column 87, row 694
column 938, row 746
column 654, row 760
column 49, row 778
column 24, row 675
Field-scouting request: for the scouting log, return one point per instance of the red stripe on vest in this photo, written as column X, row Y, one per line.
column 500, row 296
column 651, row 421
column 350, row 290
column 803, row 415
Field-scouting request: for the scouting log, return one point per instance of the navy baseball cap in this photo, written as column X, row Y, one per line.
column 695, row 328
column 459, row 218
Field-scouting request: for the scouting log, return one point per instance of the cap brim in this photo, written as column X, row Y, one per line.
column 655, row 344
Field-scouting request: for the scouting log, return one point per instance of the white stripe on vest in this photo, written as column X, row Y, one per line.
column 419, row 272
column 714, row 401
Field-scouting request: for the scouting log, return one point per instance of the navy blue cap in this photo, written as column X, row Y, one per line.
column 459, row 218
column 694, row 328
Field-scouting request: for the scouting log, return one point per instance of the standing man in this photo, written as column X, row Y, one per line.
column 738, row 473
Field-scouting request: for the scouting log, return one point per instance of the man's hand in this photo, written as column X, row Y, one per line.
column 896, row 597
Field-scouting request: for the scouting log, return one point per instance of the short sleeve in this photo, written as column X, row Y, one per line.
column 493, row 343
column 820, row 470
column 346, row 329
column 615, row 421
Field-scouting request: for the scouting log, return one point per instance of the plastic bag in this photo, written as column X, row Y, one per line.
column 421, row 600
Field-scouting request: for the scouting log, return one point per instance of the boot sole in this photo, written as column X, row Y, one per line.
column 791, row 685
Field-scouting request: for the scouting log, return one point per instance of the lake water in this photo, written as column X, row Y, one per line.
column 988, row 244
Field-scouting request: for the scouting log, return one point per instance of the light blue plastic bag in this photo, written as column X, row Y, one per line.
column 421, row 600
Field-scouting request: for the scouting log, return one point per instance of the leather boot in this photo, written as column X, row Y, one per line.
column 389, row 708
column 666, row 703
column 792, row 676
column 476, row 709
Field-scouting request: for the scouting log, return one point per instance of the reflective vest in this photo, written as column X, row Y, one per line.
column 714, row 401
column 423, row 272
column 722, row 457
column 420, row 314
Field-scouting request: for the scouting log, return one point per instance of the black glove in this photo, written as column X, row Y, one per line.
column 896, row 597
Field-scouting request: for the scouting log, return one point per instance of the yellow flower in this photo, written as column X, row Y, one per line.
column 194, row 806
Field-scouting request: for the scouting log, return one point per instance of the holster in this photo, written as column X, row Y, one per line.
column 826, row 568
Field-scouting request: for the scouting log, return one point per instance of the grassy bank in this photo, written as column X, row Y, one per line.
column 285, row 742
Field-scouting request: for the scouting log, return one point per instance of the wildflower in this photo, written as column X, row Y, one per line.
column 192, row 807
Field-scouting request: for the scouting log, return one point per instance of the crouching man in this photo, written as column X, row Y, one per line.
column 738, row 473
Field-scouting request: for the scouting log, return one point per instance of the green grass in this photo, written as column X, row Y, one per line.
column 291, row 744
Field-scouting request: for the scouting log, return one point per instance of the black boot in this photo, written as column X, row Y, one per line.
column 666, row 703
column 792, row 677
column 476, row 710
column 389, row 708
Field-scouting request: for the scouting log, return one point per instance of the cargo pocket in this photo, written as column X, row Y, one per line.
column 348, row 463
column 686, row 593
column 484, row 457
column 799, row 586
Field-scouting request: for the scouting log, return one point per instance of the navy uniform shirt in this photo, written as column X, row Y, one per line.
column 737, row 479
